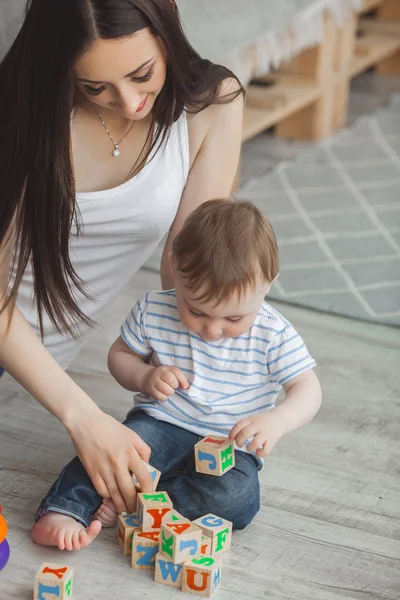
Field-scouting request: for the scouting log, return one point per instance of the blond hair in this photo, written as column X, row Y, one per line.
column 225, row 247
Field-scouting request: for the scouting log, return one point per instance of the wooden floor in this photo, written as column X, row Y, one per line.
column 329, row 527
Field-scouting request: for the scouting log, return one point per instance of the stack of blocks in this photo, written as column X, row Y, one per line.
column 183, row 554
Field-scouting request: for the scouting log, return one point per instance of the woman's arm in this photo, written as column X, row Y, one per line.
column 107, row 448
column 215, row 136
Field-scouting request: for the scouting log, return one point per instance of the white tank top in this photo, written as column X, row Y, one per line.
column 121, row 228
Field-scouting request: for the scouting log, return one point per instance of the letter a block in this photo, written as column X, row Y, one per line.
column 127, row 525
column 53, row 582
column 219, row 530
column 144, row 549
column 153, row 510
column 202, row 576
column 155, row 476
column 214, row 455
column 180, row 541
column 167, row 572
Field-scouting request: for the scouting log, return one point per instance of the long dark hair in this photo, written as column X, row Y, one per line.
column 37, row 96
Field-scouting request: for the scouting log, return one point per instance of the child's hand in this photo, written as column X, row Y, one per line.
column 264, row 429
column 162, row 382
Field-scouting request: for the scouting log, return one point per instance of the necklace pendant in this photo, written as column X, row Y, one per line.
column 116, row 152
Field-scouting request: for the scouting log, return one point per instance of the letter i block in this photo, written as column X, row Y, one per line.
column 180, row 541
column 53, row 582
column 144, row 549
column 214, row 455
column 202, row 576
column 155, row 476
column 127, row 525
column 153, row 510
column 168, row 572
column 219, row 530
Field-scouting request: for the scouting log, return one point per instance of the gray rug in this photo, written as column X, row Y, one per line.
column 336, row 214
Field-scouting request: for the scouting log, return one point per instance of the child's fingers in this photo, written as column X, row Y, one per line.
column 163, row 390
column 181, row 378
column 257, row 442
column 236, row 429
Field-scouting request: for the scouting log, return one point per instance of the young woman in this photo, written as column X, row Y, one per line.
column 113, row 131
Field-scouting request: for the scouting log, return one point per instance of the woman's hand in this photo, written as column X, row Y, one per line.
column 108, row 451
column 161, row 382
column 264, row 429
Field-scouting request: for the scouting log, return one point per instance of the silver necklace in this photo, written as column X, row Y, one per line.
column 116, row 152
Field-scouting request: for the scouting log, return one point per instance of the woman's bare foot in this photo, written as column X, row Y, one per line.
column 56, row 529
column 107, row 513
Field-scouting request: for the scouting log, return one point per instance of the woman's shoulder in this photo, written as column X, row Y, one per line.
column 223, row 115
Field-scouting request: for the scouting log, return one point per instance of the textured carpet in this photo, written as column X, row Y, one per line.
column 336, row 214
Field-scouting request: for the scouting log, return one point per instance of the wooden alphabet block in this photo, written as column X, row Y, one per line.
column 144, row 549
column 206, row 545
column 126, row 527
column 219, row 530
column 180, row 540
column 53, row 582
column 155, row 476
column 168, row 572
column 214, row 455
column 176, row 516
column 202, row 576
column 153, row 510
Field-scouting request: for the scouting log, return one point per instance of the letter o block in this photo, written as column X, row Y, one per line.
column 127, row 525
column 153, row 510
column 219, row 530
column 214, row 455
column 202, row 576
column 180, row 541
column 53, row 582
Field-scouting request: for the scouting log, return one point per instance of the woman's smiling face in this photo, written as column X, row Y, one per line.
column 124, row 74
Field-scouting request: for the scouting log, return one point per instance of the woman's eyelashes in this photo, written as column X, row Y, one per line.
column 96, row 91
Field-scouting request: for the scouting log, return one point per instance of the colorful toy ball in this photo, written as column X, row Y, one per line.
column 4, row 554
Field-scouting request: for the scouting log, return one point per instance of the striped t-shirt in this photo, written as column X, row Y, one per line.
column 230, row 379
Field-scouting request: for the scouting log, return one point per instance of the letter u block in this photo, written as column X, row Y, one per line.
column 180, row 541
column 154, row 474
column 127, row 525
column 168, row 572
column 202, row 576
column 214, row 455
column 53, row 582
column 219, row 530
column 153, row 510
column 144, row 549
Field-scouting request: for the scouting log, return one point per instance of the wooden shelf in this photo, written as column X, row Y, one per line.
column 267, row 106
column 379, row 41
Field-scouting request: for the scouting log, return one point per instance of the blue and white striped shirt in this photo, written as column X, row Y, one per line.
column 230, row 379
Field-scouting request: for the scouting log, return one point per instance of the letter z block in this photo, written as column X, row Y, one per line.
column 153, row 510
column 202, row 576
column 168, row 572
column 214, row 455
column 219, row 530
column 144, row 549
column 53, row 582
column 180, row 541
column 127, row 525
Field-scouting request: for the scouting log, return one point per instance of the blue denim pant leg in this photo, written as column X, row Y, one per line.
column 1, row 371
column 74, row 494
column 234, row 496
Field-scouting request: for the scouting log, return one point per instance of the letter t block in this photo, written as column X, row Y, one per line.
column 53, row 582
column 214, row 455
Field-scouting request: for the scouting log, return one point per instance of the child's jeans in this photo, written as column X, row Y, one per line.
column 234, row 496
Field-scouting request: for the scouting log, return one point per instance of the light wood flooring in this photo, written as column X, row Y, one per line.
column 329, row 524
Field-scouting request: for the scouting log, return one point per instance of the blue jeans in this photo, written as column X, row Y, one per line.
column 1, row 371
column 234, row 496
